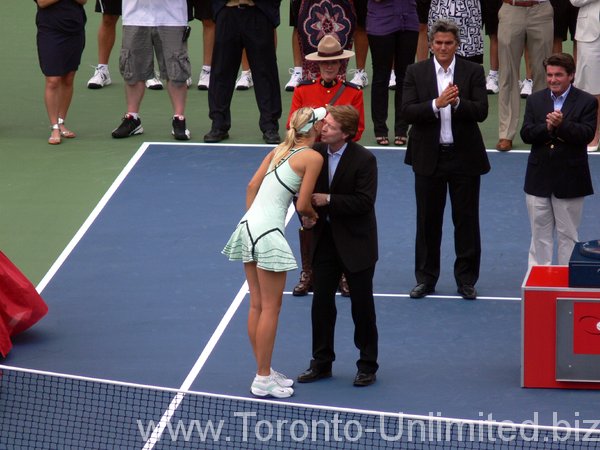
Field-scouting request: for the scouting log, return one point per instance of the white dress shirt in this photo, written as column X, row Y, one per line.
column 444, row 78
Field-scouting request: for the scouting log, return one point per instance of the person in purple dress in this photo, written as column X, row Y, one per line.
column 393, row 32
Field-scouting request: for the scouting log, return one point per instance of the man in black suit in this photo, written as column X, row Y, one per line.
column 444, row 98
column 559, row 122
column 249, row 25
column 345, row 240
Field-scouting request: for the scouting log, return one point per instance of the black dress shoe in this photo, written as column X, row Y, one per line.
column 421, row 290
column 364, row 379
column 271, row 137
column 313, row 374
column 215, row 135
column 467, row 291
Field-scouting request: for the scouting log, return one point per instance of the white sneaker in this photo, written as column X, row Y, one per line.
column 491, row 84
column 270, row 388
column 244, row 82
column 392, row 83
column 100, row 79
column 360, row 78
column 281, row 379
column 295, row 79
column 154, row 83
column 526, row 88
column 204, row 80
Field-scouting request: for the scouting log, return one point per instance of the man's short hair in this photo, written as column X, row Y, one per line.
column 347, row 116
column 563, row 60
column 444, row 26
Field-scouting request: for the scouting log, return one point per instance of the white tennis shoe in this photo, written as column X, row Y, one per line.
column 267, row 387
column 281, row 379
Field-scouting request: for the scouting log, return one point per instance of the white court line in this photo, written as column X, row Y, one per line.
column 91, row 218
column 449, row 297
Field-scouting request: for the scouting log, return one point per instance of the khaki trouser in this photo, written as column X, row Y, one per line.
column 518, row 25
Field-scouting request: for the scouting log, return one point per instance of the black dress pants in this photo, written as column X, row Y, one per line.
column 327, row 270
column 431, row 192
column 237, row 29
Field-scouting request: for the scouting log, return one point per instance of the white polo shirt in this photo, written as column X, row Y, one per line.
column 155, row 13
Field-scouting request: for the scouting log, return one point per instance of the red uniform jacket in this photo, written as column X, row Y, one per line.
column 312, row 93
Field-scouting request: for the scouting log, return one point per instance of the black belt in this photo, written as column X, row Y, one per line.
column 446, row 148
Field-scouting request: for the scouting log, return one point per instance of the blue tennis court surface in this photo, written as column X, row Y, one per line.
column 143, row 295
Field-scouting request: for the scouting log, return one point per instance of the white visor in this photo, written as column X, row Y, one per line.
column 317, row 114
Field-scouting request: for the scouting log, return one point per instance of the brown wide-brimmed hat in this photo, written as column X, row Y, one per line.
column 329, row 49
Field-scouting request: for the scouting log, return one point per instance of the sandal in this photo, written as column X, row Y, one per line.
column 64, row 132
column 400, row 141
column 382, row 140
column 54, row 140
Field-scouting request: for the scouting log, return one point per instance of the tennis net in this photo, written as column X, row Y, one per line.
column 42, row 410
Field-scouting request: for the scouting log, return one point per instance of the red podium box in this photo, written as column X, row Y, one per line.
column 560, row 331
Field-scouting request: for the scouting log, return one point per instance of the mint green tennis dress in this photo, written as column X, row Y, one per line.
column 260, row 234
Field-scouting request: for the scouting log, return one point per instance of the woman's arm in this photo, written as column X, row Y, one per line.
column 314, row 162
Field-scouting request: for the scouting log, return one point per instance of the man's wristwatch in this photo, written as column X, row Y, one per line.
column 328, row 198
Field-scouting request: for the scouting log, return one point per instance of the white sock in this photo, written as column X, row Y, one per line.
column 298, row 70
column 103, row 66
column 206, row 68
column 493, row 72
column 262, row 378
column 134, row 115
column 245, row 72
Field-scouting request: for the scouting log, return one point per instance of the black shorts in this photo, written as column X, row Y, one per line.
column 423, row 10
column 565, row 18
column 200, row 9
column 489, row 15
column 294, row 11
column 360, row 6
column 111, row 7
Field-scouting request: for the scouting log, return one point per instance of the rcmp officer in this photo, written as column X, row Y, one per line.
column 328, row 89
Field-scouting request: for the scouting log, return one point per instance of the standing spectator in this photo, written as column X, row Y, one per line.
column 520, row 22
column 587, row 36
column 345, row 241
column 202, row 10
column 559, row 122
column 361, row 44
column 327, row 89
column 489, row 15
column 319, row 18
column 259, row 242
column 296, row 71
column 565, row 23
column 467, row 16
column 422, row 45
column 107, row 32
column 111, row 11
column 154, row 26
column 243, row 24
column 444, row 99
column 60, row 43
column 393, row 31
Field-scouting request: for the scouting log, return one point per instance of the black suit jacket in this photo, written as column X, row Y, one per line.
column 351, row 211
column 270, row 8
column 420, row 88
column 558, row 162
